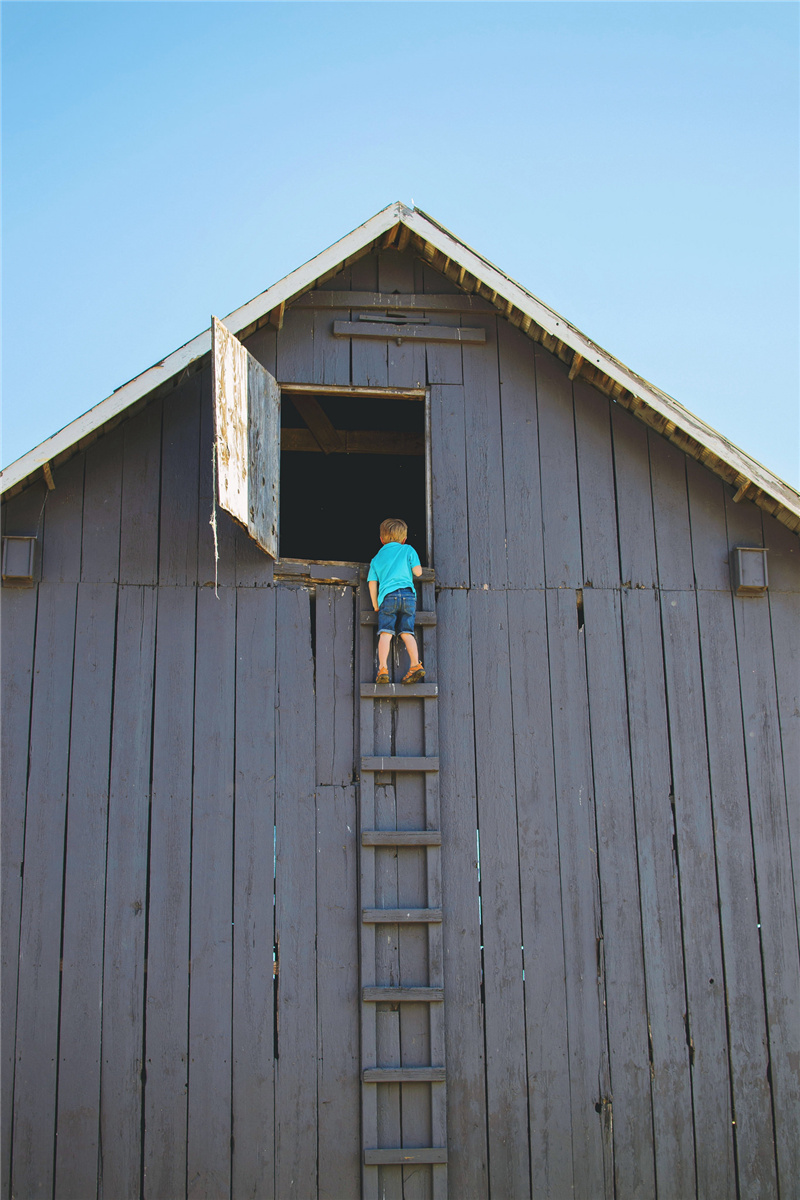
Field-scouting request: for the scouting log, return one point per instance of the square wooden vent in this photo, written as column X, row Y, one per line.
column 750, row 571
column 18, row 556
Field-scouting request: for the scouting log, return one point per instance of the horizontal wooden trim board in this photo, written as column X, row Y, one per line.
column 402, row 916
column 399, row 763
column 403, row 1075
column 394, row 995
column 401, row 837
column 355, row 441
column 410, row 333
column 420, row 618
column 317, row 572
column 399, row 691
column 386, row 1158
column 345, row 389
column 395, row 301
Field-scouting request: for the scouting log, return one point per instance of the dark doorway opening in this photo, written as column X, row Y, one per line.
column 347, row 462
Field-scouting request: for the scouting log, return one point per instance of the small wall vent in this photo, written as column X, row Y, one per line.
column 18, row 558
column 750, row 571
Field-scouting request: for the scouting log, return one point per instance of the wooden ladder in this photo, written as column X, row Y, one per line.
column 403, row 1079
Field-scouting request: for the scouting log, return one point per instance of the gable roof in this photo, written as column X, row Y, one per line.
column 403, row 228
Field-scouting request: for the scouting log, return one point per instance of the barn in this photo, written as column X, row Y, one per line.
column 527, row 929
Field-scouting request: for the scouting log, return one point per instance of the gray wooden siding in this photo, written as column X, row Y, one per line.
column 620, row 772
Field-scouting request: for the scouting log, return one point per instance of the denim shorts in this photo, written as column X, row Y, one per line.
column 396, row 613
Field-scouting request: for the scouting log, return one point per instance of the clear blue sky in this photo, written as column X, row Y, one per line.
column 633, row 164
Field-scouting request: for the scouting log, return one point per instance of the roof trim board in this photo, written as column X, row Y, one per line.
column 413, row 229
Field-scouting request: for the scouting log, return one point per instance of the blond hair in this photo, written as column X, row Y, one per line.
column 393, row 529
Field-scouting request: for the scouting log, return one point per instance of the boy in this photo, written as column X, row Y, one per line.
column 391, row 588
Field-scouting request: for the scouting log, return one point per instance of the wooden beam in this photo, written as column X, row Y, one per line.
column 742, row 492
column 344, row 389
column 395, row 995
column 389, row 236
column 408, row 333
column 413, row 302
column 401, row 1156
column 404, row 1075
column 401, row 916
column 355, row 441
column 401, row 837
column 327, row 436
column 577, row 363
column 276, row 316
column 48, row 477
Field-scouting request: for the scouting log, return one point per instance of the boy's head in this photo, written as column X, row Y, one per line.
column 393, row 530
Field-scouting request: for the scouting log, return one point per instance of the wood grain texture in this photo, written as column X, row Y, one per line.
column 141, row 482
column 443, row 360
column 180, row 450
column 560, row 510
column 83, row 890
column 63, row 521
column 521, row 481
column 252, row 1039
column 334, row 617
column 770, row 826
column 747, row 1025
column 708, row 528
column 699, row 898
column 507, row 1103
column 636, row 532
column 661, row 924
column 216, row 562
column 211, row 948
column 294, row 361
column 295, row 909
column 624, row 977
column 167, row 995
column 449, row 490
column 588, row 1050
column 17, row 630
column 783, row 558
column 331, row 360
column 596, row 486
column 670, row 513
column 785, row 620
column 40, row 928
column 484, row 443
column 102, row 493
column 122, row 1065
column 540, row 899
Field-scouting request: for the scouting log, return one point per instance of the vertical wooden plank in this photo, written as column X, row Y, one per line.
column 444, row 359
column 337, row 992
column 63, row 522
column 395, row 272
column 783, row 557
column 253, row 1078
column 661, row 923
column 334, row 685
column 464, row 1032
column 141, row 481
column 84, row 890
column 699, row 898
column 254, row 568
column 588, row 1052
column 219, row 569
column 40, row 930
column 709, row 531
column 295, row 907
column 180, row 458
column 364, row 274
column 562, row 534
column 295, row 347
column 263, row 345
column 769, row 820
column 406, row 363
column 625, row 997
column 483, row 432
column 598, row 499
column 390, row 1179
column 167, row 1004
column 434, row 281
column 102, row 494
column 210, row 998
column 507, row 1103
column 540, row 895
column 121, row 1070
column 449, row 487
column 331, row 361
column 370, row 362
column 785, row 620
column 747, row 1024
column 18, row 630
column 637, row 547
column 522, row 486
column 670, row 513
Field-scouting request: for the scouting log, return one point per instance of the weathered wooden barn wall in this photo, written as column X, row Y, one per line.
column 620, row 755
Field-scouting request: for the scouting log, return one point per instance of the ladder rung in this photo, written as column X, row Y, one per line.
column 399, row 763
column 401, row 916
column 403, row 1075
column 422, row 1154
column 401, row 837
column 420, row 618
column 399, row 691
column 391, row 995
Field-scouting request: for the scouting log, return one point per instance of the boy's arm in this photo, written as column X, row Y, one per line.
column 373, row 593
column 416, row 572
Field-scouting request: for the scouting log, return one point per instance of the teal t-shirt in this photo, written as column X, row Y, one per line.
column 391, row 568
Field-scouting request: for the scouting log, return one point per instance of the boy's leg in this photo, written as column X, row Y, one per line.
column 410, row 643
column 384, row 645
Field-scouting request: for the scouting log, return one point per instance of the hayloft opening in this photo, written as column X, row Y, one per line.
column 347, row 461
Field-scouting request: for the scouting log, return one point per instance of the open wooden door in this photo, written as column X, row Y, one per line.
column 247, row 422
